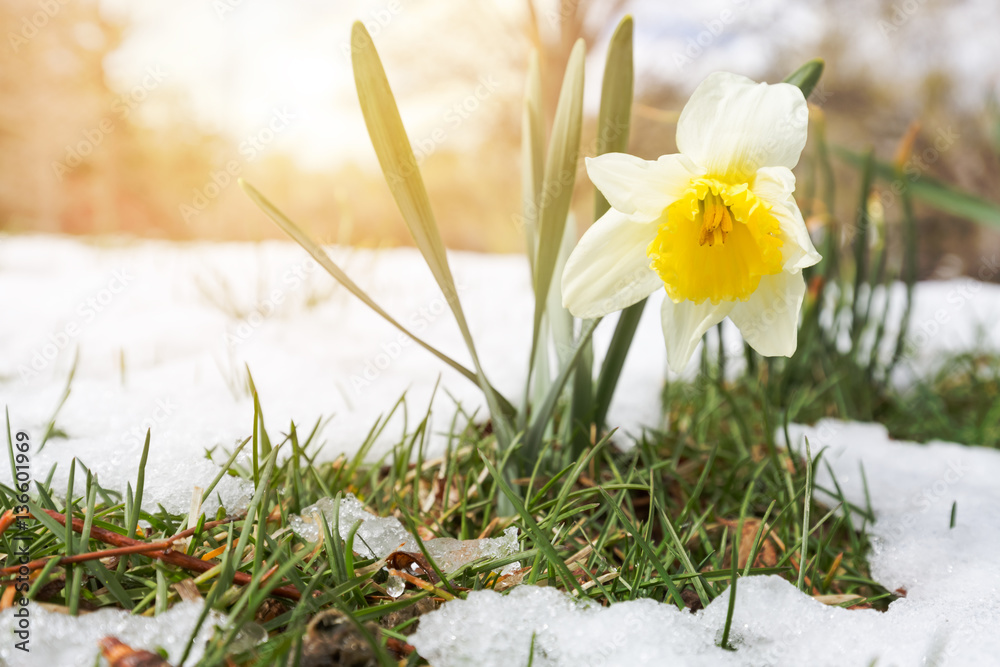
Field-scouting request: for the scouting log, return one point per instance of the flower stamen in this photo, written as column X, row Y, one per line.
column 715, row 243
column 717, row 221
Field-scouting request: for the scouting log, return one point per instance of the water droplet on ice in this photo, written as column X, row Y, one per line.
column 394, row 586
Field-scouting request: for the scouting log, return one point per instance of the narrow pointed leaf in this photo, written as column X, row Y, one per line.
column 612, row 137
column 931, row 191
column 323, row 259
column 560, row 176
column 395, row 156
column 532, row 157
column 613, row 126
column 807, row 76
column 611, row 369
column 542, row 414
column 614, row 118
column 399, row 165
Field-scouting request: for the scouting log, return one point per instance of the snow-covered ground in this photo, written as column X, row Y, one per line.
column 165, row 331
column 949, row 615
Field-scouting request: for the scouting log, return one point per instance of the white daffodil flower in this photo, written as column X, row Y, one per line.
column 715, row 225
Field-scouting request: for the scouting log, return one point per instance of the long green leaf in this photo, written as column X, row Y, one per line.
column 557, row 191
column 613, row 125
column 399, row 165
column 612, row 136
column 648, row 549
column 931, row 191
column 540, row 419
column 861, row 237
column 617, row 88
column 323, row 259
column 532, row 157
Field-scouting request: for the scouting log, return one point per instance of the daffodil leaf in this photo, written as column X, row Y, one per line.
column 323, row 259
column 402, row 173
column 543, row 413
column 395, row 156
column 615, row 115
column 909, row 274
column 613, row 126
column 557, row 189
column 931, row 191
column 807, row 76
column 614, row 361
column 532, row 157
column 861, row 236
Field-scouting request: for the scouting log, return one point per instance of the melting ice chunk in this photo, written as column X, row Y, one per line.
column 451, row 554
column 377, row 537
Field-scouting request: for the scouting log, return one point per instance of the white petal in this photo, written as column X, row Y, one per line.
column 732, row 125
column 609, row 269
column 684, row 324
column 775, row 186
column 769, row 320
column 641, row 188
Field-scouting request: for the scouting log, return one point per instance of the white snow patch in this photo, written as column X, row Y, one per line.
column 165, row 330
column 948, row 617
column 67, row 641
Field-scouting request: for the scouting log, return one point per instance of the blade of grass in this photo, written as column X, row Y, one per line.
column 805, row 520
column 537, row 534
column 646, row 548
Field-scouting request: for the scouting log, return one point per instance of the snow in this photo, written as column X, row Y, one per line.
column 165, row 345
column 165, row 332
column 948, row 617
column 377, row 537
column 78, row 637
